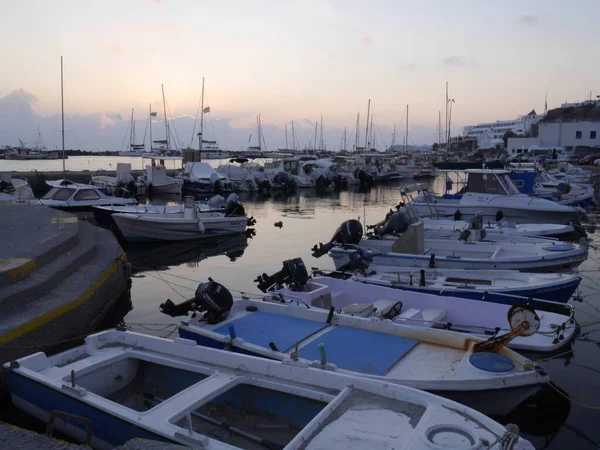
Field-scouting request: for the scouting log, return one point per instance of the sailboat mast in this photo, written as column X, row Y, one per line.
column 293, row 136
column 131, row 131
column 357, row 131
column 165, row 112
column 367, row 129
column 446, row 131
column 315, row 141
column 406, row 134
column 62, row 114
column 321, row 143
column 394, row 137
column 202, row 118
column 440, row 128
column 286, row 139
column 345, row 139
column 371, row 133
column 150, row 117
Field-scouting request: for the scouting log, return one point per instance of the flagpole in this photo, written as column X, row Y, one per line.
column 62, row 113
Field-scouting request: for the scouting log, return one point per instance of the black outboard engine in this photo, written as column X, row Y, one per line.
column 286, row 182
column 293, row 273
column 395, row 223
column 233, row 207
column 349, row 232
column 211, row 298
column 265, row 186
column 340, row 182
column 357, row 261
column 365, row 178
column 322, row 182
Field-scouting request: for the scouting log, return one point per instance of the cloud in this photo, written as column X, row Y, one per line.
column 366, row 40
column 527, row 20
column 114, row 116
column 156, row 2
column 113, row 48
column 454, row 61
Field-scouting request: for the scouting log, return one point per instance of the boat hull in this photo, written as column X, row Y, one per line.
column 488, row 401
column 136, row 229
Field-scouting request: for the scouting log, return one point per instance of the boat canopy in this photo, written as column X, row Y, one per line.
column 490, row 182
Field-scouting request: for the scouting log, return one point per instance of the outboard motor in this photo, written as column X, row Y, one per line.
column 293, row 273
column 216, row 201
column 349, row 232
column 340, row 182
column 211, row 298
column 264, row 185
column 365, row 178
column 233, row 207
column 322, row 182
column 357, row 261
column 216, row 183
column 578, row 230
column 285, row 181
column 396, row 223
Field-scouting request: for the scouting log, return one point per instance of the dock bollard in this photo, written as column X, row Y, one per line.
column 232, row 334
column 323, row 354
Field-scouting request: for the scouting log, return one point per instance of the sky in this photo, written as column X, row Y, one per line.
column 287, row 60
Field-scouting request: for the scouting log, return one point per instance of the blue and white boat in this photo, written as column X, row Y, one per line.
column 122, row 386
column 499, row 286
column 436, row 360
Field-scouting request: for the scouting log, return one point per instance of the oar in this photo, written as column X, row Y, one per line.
column 251, row 437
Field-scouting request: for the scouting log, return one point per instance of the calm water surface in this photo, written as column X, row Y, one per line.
column 174, row 270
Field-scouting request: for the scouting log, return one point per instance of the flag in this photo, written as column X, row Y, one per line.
column 206, row 110
column 153, row 114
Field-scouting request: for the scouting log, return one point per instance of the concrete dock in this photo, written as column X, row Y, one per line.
column 58, row 278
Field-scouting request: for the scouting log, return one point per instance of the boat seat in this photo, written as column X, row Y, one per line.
column 427, row 317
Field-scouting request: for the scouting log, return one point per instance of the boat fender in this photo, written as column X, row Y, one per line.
column 499, row 215
column 251, row 308
column 201, row 227
column 323, row 354
column 422, row 279
column 231, row 329
column 432, row 261
column 330, row 315
column 457, row 215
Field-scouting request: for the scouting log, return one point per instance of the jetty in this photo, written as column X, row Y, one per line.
column 59, row 276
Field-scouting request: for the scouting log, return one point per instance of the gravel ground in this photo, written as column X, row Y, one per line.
column 17, row 438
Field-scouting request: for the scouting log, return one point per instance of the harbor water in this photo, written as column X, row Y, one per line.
column 563, row 415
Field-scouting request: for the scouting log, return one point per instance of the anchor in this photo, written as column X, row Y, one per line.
column 523, row 321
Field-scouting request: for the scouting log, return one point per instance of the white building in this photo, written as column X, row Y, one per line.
column 489, row 135
column 567, row 135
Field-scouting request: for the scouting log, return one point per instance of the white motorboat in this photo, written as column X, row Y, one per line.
column 413, row 166
column 103, row 214
column 435, row 360
column 78, row 197
column 180, row 226
column 122, row 180
column 125, row 385
column 494, row 195
column 406, row 246
column 480, row 314
column 201, row 178
column 156, row 179
column 287, row 174
column 239, row 177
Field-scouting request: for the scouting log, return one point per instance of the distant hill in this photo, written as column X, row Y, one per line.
column 589, row 112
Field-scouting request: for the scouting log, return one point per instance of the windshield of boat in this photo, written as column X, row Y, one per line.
column 59, row 194
column 491, row 183
column 50, row 194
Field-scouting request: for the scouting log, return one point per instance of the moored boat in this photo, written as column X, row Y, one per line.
column 125, row 385
column 439, row 361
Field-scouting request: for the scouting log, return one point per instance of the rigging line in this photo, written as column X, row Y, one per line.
column 571, row 399
column 125, row 137
column 177, row 143
column 146, row 131
column 571, row 350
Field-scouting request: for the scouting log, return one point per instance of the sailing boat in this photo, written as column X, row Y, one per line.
column 134, row 149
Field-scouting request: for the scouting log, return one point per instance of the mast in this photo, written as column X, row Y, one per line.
column 357, row 130
column 293, row 136
column 394, row 137
column 62, row 114
column 150, row 117
column 439, row 127
column 202, row 120
column 345, row 139
column 286, row 139
column 367, row 129
column 315, row 142
column 371, row 135
column 165, row 112
column 321, row 135
column 131, row 137
column 406, row 133
column 446, row 133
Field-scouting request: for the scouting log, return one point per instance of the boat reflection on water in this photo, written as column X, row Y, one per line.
column 542, row 414
column 161, row 256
